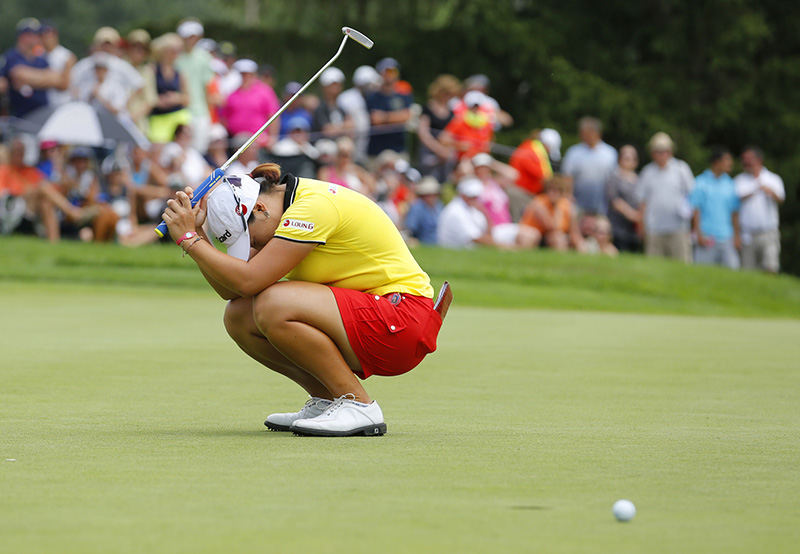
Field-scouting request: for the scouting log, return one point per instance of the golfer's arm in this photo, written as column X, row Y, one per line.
column 224, row 293
column 242, row 278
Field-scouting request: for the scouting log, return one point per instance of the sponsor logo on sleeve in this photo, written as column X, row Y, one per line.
column 298, row 224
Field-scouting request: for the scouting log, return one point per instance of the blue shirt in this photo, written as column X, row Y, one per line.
column 25, row 99
column 590, row 168
column 387, row 137
column 422, row 220
column 716, row 200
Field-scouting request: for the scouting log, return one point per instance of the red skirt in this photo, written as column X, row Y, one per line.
column 389, row 334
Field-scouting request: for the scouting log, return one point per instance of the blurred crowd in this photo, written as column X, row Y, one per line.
column 93, row 147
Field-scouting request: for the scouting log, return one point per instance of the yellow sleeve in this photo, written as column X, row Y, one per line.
column 311, row 218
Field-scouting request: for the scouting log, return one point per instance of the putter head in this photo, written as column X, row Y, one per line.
column 360, row 38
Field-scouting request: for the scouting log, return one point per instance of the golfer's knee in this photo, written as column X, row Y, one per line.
column 270, row 310
column 238, row 316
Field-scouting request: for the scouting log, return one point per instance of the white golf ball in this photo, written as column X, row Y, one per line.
column 624, row 510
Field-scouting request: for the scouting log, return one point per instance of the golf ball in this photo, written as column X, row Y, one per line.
column 624, row 510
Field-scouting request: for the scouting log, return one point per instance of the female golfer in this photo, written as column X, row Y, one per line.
column 356, row 303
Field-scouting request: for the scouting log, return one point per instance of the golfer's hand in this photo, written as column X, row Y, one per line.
column 199, row 210
column 179, row 215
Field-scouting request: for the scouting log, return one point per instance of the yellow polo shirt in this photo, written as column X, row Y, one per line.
column 358, row 248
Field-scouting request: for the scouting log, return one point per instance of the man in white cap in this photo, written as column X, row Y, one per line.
column 353, row 103
column 462, row 223
column 195, row 64
column 329, row 120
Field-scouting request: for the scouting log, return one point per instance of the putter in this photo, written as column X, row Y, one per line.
column 212, row 180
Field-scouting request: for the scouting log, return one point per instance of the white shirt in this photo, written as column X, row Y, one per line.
column 759, row 212
column 460, row 224
column 82, row 77
column 229, row 82
column 57, row 59
column 352, row 103
column 665, row 192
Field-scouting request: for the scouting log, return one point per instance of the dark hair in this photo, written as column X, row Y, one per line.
column 179, row 128
column 755, row 150
column 717, row 153
column 267, row 175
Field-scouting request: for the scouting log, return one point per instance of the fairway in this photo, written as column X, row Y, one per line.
column 136, row 425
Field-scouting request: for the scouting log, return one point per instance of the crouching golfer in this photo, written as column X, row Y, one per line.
column 355, row 302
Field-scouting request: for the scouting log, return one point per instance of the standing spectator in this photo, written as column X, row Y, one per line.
column 60, row 60
column 422, row 219
column 532, row 162
column 195, row 64
column 664, row 188
column 623, row 201
column 138, row 52
column 250, row 105
column 389, row 111
column 434, row 157
column 471, row 131
column 294, row 153
column 297, row 109
column 760, row 191
column 716, row 213
column 551, row 139
column 170, row 109
column 589, row 163
column 120, row 75
column 106, row 92
column 231, row 79
column 481, row 83
column 354, row 104
column 27, row 72
column 329, row 120
column 550, row 216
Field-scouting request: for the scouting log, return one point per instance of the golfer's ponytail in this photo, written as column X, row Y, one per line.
column 266, row 175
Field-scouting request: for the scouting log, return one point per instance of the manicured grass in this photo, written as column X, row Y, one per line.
column 136, row 425
column 539, row 279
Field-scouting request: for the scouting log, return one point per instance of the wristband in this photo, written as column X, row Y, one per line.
column 188, row 235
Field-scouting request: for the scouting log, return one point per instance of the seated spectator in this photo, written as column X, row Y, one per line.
column 353, row 102
column 623, row 201
column 471, row 131
column 295, row 154
column 551, row 216
column 496, row 177
column 664, row 187
column 389, row 111
column 298, row 108
column 149, row 191
column 434, row 157
column 403, row 194
column 596, row 231
column 217, row 153
column 117, row 192
column 51, row 160
column 329, row 120
column 422, row 219
column 760, row 191
column 345, row 171
column 531, row 160
column 247, row 160
column 184, row 164
column 20, row 192
column 172, row 98
column 248, row 107
column 715, row 221
column 589, row 163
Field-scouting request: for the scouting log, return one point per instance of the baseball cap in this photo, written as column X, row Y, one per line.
column 470, row 187
column 387, row 63
column 474, row 98
column 138, row 36
column 245, row 66
column 477, row 81
column 481, row 160
column 80, row 152
column 298, row 123
column 229, row 205
column 106, row 34
column 428, row 185
column 190, row 28
column 330, row 76
column 365, row 75
column 292, row 87
column 552, row 140
column 28, row 25
column 661, row 142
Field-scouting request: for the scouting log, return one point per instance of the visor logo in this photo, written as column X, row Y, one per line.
column 241, row 209
column 224, row 236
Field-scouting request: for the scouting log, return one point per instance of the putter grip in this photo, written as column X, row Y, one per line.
column 199, row 193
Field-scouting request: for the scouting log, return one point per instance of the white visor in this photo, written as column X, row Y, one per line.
column 229, row 206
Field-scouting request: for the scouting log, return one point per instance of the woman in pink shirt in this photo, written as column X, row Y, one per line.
column 249, row 106
column 494, row 197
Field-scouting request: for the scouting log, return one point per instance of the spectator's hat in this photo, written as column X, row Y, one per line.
column 470, row 187
column 207, row 44
column 217, row 132
column 330, row 76
column 326, row 147
column 28, row 25
column 412, row 175
column 387, row 63
column 474, row 99
column 661, row 142
column 229, row 206
column 482, row 160
column 298, row 123
column 138, row 36
column 226, row 49
column 386, row 157
column 552, row 141
column 239, row 139
column 190, row 28
column 245, row 66
column 106, row 35
column 428, row 185
column 291, row 88
column 218, row 66
column 111, row 165
column 48, row 144
column 479, row 81
column 80, row 152
column 47, row 25
column 365, row 76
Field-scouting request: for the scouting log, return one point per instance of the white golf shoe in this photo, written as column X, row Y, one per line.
column 313, row 407
column 343, row 418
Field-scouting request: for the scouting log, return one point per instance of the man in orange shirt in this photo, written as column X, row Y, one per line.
column 19, row 189
column 532, row 163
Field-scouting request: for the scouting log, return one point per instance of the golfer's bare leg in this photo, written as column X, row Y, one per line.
column 302, row 321
column 242, row 328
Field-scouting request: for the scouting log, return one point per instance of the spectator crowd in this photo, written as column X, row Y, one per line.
column 188, row 102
